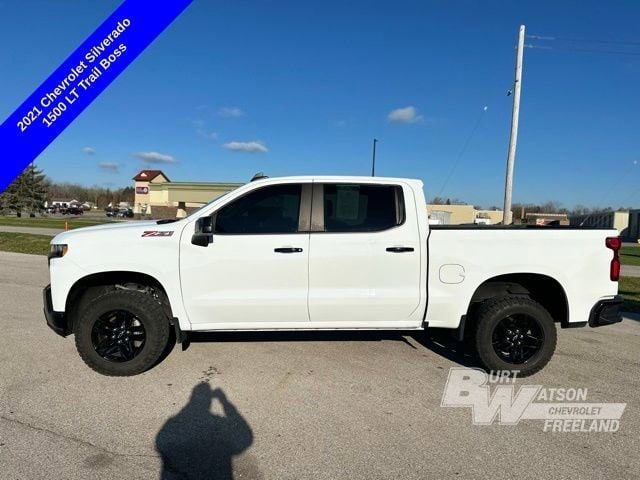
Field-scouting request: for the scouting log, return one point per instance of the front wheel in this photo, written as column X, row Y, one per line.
column 122, row 332
column 514, row 333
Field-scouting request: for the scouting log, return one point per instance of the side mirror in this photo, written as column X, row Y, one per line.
column 203, row 235
column 204, row 225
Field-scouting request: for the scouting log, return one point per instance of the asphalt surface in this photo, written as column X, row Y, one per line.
column 305, row 405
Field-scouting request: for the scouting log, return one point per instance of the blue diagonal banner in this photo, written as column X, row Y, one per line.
column 79, row 80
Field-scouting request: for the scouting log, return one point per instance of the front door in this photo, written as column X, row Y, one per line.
column 255, row 270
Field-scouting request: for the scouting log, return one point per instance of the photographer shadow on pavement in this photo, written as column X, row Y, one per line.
column 199, row 444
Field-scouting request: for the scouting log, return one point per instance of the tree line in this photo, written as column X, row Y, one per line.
column 31, row 189
column 550, row 206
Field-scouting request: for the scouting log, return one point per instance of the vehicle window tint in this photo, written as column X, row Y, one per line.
column 273, row 209
column 362, row 208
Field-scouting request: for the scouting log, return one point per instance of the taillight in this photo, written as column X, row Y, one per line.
column 614, row 243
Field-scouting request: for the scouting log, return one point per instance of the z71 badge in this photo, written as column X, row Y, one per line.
column 156, row 233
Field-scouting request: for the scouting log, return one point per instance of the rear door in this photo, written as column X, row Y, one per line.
column 364, row 265
column 254, row 273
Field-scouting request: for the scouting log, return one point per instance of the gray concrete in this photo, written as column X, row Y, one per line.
column 33, row 230
column 630, row 271
column 305, row 405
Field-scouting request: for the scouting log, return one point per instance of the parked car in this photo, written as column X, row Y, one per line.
column 125, row 213
column 327, row 253
column 73, row 210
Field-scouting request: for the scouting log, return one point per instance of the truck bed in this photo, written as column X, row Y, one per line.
column 462, row 257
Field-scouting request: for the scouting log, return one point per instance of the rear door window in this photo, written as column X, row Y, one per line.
column 362, row 208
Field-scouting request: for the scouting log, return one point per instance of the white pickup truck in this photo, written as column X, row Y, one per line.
column 325, row 253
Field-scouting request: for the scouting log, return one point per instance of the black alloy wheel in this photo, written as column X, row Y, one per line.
column 118, row 336
column 517, row 338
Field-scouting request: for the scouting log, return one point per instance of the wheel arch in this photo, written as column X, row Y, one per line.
column 542, row 288
column 101, row 281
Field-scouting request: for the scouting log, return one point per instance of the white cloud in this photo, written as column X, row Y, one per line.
column 207, row 135
column 405, row 115
column 155, row 157
column 249, row 147
column 89, row 150
column 109, row 167
column 230, row 112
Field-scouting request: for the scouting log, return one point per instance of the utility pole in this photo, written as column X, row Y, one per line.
column 513, row 140
column 373, row 163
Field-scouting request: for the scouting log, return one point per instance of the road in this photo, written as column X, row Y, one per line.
column 293, row 406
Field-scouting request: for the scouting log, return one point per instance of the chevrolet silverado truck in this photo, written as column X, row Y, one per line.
column 327, row 253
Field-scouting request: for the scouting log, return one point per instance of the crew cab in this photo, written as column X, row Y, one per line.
column 327, row 253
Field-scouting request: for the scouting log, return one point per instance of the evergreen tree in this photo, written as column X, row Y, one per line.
column 27, row 193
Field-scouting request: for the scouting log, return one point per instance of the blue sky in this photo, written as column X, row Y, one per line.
column 313, row 82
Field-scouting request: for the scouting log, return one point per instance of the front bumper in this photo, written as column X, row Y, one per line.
column 57, row 321
column 606, row 312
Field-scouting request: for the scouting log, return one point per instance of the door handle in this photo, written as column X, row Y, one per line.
column 287, row 250
column 399, row 249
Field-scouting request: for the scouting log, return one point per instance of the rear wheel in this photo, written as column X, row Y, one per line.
column 122, row 332
column 514, row 333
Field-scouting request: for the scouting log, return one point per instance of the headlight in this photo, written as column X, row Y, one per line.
column 57, row 251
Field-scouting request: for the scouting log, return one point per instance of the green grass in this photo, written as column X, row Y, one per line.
column 629, row 288
column 50, row 222
column 630, row 255
column 24, row 243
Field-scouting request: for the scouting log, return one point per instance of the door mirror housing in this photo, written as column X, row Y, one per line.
column 204, row 225
column 203, row 235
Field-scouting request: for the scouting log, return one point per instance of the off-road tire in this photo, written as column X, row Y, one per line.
column 147, row 310
column 493, row 311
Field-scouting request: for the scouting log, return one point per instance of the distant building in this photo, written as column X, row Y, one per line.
column 546, row 219
column 61, row 203
column 158, row 197
column 438, row 217
column 462, row 214
column 617, row 220
column 143, row 180
column 633, row 229
column 177, row 199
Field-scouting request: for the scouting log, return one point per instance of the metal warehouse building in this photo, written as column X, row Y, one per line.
column 617, row 220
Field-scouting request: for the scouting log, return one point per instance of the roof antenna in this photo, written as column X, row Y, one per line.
column 373, row 160
column 258, row 176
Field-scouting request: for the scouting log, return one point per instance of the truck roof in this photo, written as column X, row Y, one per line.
column 346, row 178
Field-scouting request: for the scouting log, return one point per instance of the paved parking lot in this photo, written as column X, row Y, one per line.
column 285, row 405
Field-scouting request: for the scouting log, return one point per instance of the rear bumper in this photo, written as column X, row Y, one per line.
column 57, row 321
column 606, row 312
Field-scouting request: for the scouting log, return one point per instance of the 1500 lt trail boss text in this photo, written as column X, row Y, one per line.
column 320, row 253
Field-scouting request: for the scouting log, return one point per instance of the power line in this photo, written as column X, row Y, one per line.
column 611, row 189
column 584, row 40
column 464, row 149
column 582, row 50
